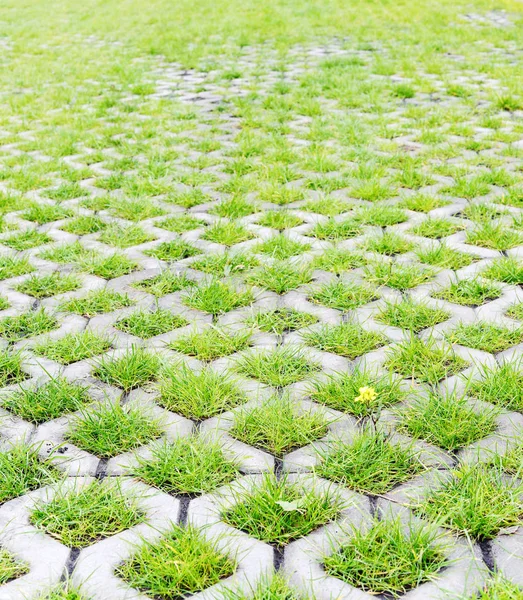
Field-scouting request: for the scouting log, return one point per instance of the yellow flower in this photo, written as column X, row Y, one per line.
column 367, row 395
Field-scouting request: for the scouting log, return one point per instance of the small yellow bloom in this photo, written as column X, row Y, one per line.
column 367, row 395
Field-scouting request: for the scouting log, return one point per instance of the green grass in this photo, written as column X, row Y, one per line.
column 29, row 324
column 167, row 282
column 277, row 427
column 216, row 297
column 279, row 219
column 30, row 238
column 281, row 247
column 73, row 347
column 124, row 236
column 388, row 559
column 11, row 368
column 188, row 465
column 444, row 257
column 172, row 251
column 343, row 296
column 478, row 501
column 49, row 401
column 282, row 320
column 84, row 224
column 145, row 324
column 370, row 464
column 469, row 292
column 501, row 385
column 109, row 430
column 500, row 588
column 211, row 343
column 181, row 224
column 447, row 420
column 507, row 270
column 494, row 236
column 388, row 244
column 338, row 260
column 225, row 264
column 197, row 395
column 83, row 516
column 106, row 267
column 278, row 512
column 397, row 276
column 412, row 315
column 348, row 339
column 180, row 563
column 278, row 368
column 227, row 233
column 515, row 311
column 136, row 367
column 10, row 567
column 11, row 266
column 436, row 228
column 423, row 203
column 279, row 276
column 22, row 471
column 488, row 337
column 335, row 230
column 424, row 360
column 65, row 591
column 49, row 285
column 342, row 390
column 96, row 302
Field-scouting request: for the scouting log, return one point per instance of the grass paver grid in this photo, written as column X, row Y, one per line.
column 288, row 235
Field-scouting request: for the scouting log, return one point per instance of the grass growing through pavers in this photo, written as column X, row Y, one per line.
column 12, row 266
column 73, row 347
column 22, row 471
column 500, row 385
column 10, row 567
column 188, row 465
column 282, row 320
column 444, row 257
column 182, row 562
column 29, row 324
column 136, row 367
column 297, row 151
column 216, row 297
column 278, row 511
column 469, row 292
column 11, row 368
column 485, row 336
column 211, row 343
column 478, row 501
column 343, row 296
column 85, row 515
column 447, row 420
column 108, row 430
column 49, row 285
column 341, row 392
column 167, row 282
column 370, row 464
column 48, row 401
column 279, row 368
column 347, row 339
column 386, row 559
column 280, row 276
column 96, row 302
column 424, row 360
column 197, row 395
column 277, row 426
column 412, row 315
column 147, row 324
